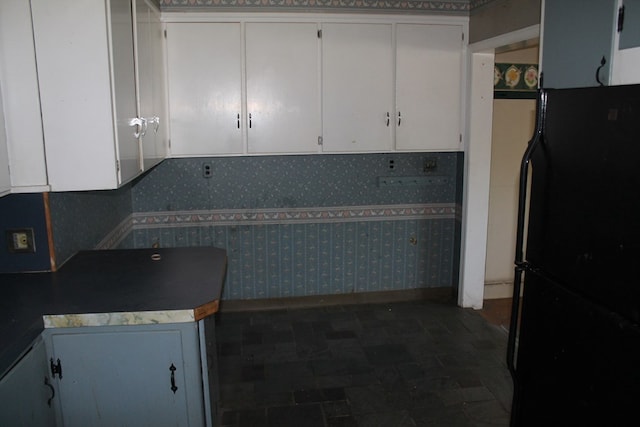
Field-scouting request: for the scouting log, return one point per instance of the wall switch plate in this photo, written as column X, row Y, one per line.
column 20, row 240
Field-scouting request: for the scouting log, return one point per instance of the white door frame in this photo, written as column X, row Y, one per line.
column 477, row 163
column 624, row 62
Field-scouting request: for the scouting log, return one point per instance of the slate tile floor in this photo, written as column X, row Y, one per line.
column 400, row 364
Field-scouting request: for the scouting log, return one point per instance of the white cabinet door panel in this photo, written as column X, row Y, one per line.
column 87, row 90
column 19, row 85
column 128, row 376
column 124, row 88
column 5, row 182
column 150, row 82
column 357, row 79
column 205, row 88
column 283, row 95
column 26, row 391
column 428, row 87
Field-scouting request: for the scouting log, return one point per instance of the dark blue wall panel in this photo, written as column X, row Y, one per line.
column 24, row 211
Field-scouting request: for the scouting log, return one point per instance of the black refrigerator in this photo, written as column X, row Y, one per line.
column 574, row 341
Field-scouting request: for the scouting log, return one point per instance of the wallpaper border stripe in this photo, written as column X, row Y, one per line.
column 230, row 217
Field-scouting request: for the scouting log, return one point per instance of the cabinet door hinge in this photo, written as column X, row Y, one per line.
column 620, row 18
column 56, row 368
column 118, row 166
column 319, row 140
column 319, row 34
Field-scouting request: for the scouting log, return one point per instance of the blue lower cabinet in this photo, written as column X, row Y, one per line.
column 26, row 392
column 138, row 375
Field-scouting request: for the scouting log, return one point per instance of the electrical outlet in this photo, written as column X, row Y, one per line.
column 20, row 240
column 207, row 170
column 430, row 164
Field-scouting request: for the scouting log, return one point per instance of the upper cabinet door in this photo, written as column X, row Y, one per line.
column 357, row 87
column 626, row 55
column 428, row 87
column 283, row 91
column 19, row 86
column 151, row 87
column 124, row 86
column 205, row 74
column 87, row 89
column 5, row 182
column 576, row 35
column 630, row 27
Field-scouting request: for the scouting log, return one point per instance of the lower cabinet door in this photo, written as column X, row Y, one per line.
column 128, row 377
column 26, row 392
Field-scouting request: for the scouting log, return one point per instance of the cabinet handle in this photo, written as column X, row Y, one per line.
column 145, row 124
column 603, row 61
column 172, row 368
column 249, row 120
column 388, row 119
column 238, row 120
column 139, row 124
column 399, row 118
column 156, row 123
column 53, row 391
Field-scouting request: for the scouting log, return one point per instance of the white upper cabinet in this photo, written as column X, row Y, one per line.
column 428, row 87
column 205, row 74
column 21, row 102
column 5, row 182
column 151, row 83
column 87, row 81
column 210, row 113
column 283, row 92
column 626, row 48
column 357, row 87
column 314, row 84
column 87, row 91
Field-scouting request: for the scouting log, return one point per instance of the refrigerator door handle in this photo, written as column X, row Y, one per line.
column 520, row 264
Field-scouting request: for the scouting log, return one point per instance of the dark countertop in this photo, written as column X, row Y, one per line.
column 109, row 281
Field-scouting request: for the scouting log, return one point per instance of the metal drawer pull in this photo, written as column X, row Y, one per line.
column 388, row 119
column 399, row 118
column 172, row 368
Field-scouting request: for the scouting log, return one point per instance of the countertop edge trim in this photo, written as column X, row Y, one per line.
column 119, row 319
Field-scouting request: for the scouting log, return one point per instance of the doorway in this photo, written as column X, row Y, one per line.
column 475, row 211
column 512, row 127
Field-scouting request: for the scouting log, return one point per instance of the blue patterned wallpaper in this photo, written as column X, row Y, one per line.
column 293, row 181
column 283, row 260
column 18, row 211
column 307, row 225
column 80, row 220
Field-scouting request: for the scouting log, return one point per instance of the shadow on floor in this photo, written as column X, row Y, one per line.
column 397, row 364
